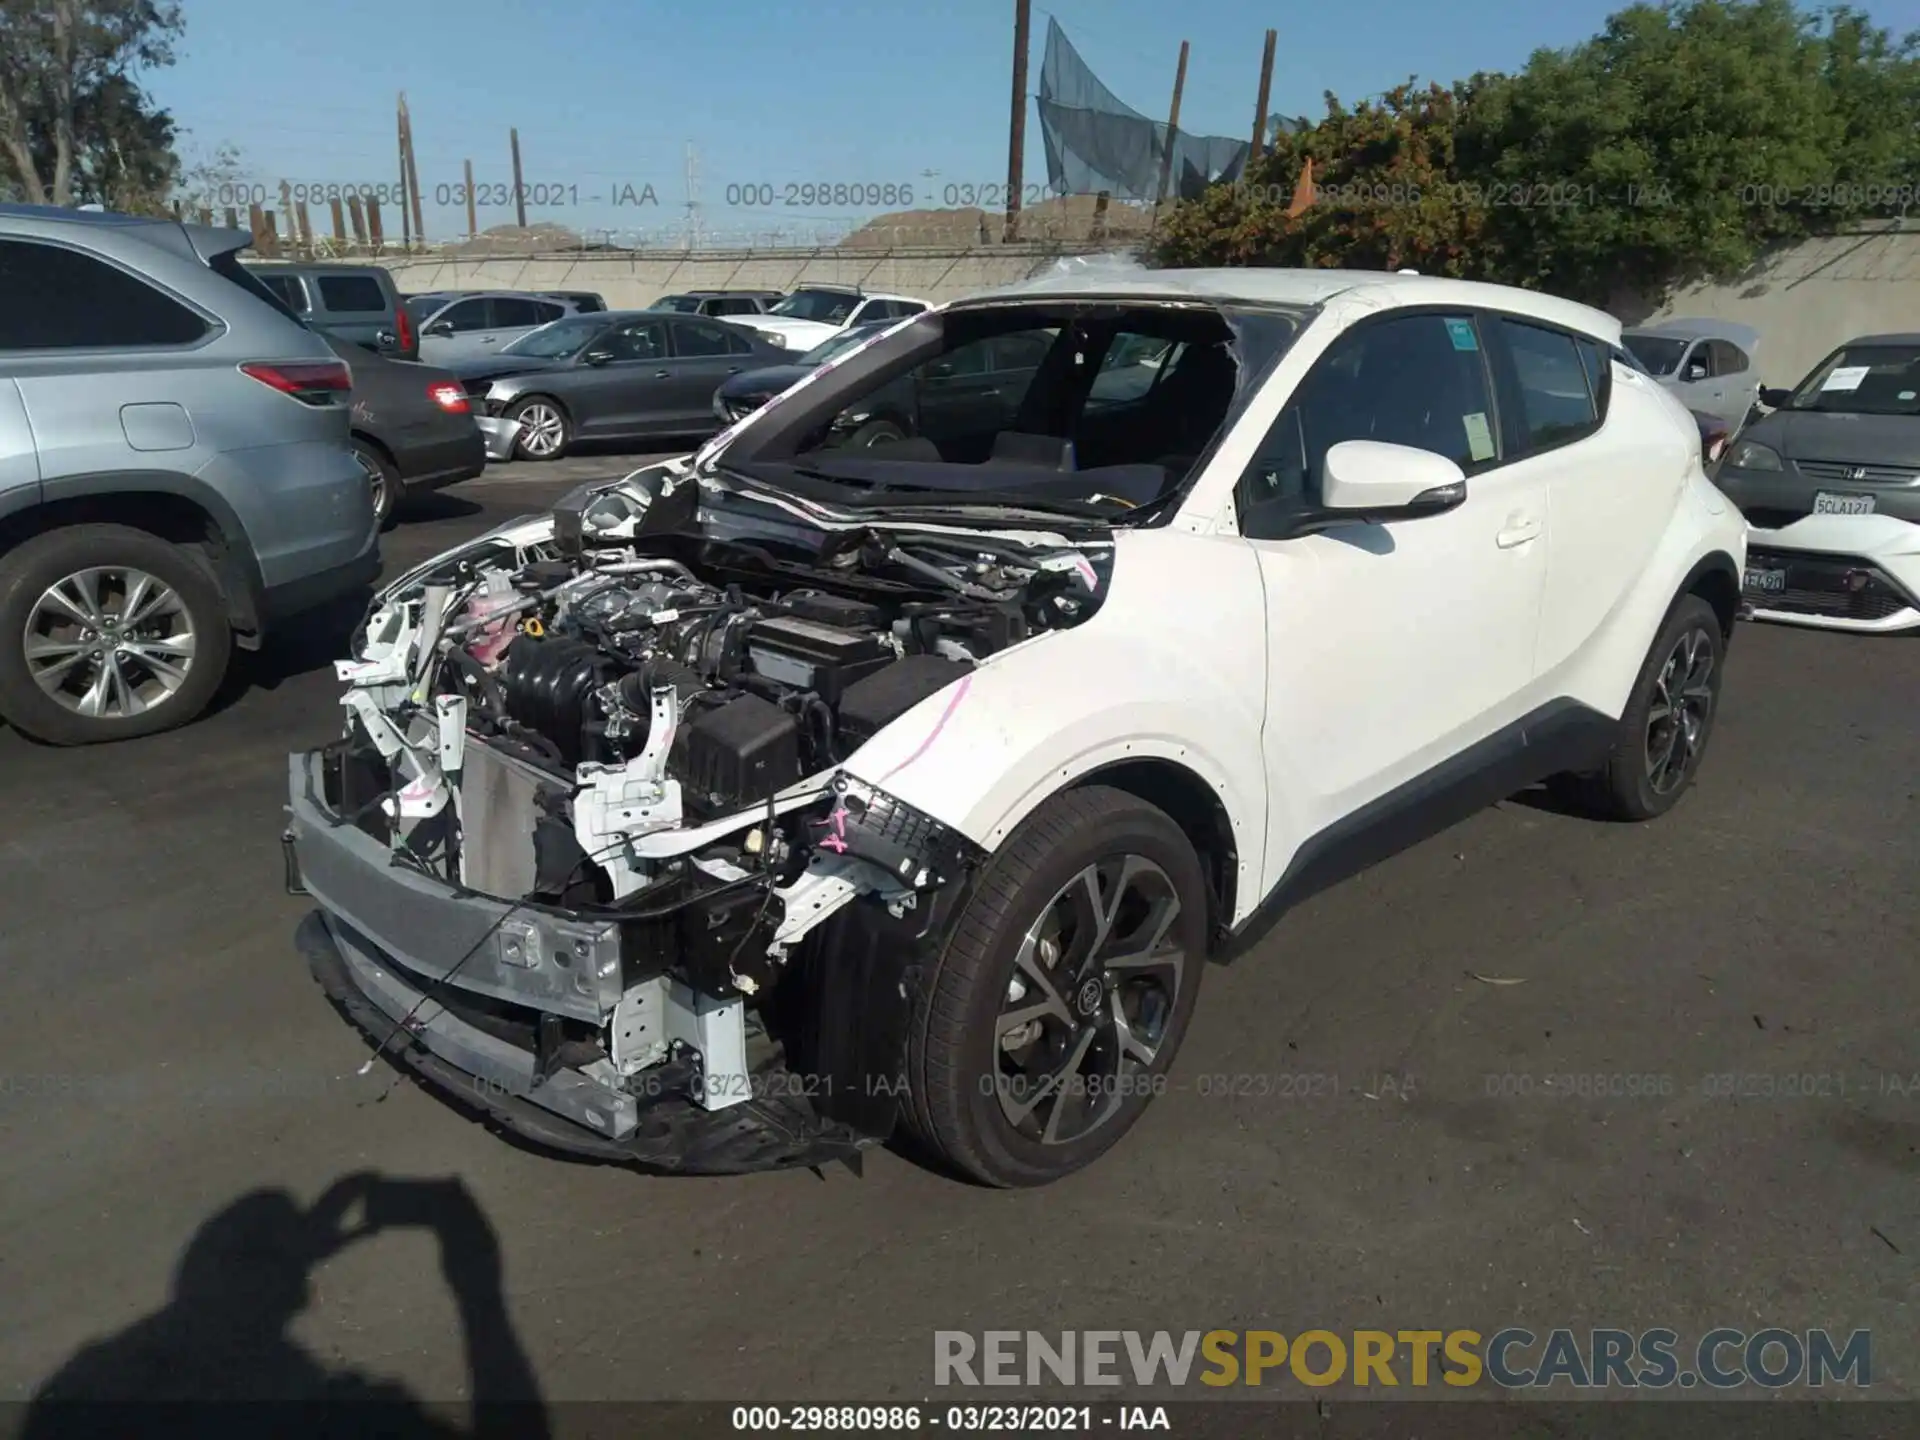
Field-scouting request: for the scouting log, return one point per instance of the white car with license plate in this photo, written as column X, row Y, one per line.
column 1830, row 482
column 741, row 812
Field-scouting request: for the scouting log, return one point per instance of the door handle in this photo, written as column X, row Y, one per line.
column 733, row 369
column 660, row 374
column 1519, row 530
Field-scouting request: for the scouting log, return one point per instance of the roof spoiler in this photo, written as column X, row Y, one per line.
column 210, row 242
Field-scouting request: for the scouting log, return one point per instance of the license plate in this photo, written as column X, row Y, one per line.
column 1828, row 502
column 1766, row 582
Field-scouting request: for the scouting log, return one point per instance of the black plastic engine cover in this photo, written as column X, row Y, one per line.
column 736, row 755
column 548, row 686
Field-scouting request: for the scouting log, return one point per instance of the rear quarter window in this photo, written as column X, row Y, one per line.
column 62, row 299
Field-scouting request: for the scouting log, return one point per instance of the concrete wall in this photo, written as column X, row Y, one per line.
column 1811, row 297
column 1804, row 300
column 634, row 280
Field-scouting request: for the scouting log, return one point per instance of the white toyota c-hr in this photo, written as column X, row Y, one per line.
column 737, row 813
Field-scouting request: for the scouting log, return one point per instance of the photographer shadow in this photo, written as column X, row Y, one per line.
column 221, row 1351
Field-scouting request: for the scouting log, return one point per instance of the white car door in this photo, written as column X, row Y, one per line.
column 1393, row 647
column 1615, row 468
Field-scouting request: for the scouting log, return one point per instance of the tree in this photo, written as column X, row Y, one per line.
column 74, row 123
column 1384, row 195
column 1682, row 141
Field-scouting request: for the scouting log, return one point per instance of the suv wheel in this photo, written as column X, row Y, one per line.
column 1669, row 718
column 107, row 633
column 1065, row 988
column 544, row 431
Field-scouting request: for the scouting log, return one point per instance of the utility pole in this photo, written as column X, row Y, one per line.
column 1260, row 108
column 693, row 197
column 400, row 130
column 1173, row 124
column 412, row 191
column 519, row 190
column 473, row 222
column 1017, row 133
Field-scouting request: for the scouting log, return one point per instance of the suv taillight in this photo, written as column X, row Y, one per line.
column 402, row 328
column 312, row 382
column 449, row 397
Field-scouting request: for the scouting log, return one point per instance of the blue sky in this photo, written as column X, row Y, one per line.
column 607, row 94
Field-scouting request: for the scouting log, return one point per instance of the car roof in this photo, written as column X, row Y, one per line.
column 1903, row 337
column 71, row 216
column 1272, row 286
column 1701, row 328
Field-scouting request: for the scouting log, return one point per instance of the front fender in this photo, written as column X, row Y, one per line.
column 1172, row 668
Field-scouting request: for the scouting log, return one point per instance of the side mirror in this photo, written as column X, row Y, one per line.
column 443, row 329
column 1773, row 397
column 596, row 357
column 1696, row 372
column 1365, row 480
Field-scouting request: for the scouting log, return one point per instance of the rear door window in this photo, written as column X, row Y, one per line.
column 351, row 295
column 1728, row 358
column 693, row 340
column 468, row 315
column 510, row 312
column 1555, row 405
column 61, row 299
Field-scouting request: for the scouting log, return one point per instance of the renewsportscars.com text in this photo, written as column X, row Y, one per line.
column 1512, row 1358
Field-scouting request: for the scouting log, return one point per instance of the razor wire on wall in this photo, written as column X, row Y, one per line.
column 1094, row 142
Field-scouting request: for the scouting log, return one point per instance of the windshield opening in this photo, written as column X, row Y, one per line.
column 829, row 307
column 1659, row 353
column 1098, row 407
column 558, row 340
column 1864, row 380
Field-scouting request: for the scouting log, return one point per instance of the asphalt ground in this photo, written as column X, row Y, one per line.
column 1370, row 1124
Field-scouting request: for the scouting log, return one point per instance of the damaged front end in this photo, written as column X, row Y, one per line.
column 586, row 856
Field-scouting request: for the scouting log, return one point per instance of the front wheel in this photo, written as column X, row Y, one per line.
column 544, row 429
column 1065, row 988
column 106, row 633
column 1663, row 735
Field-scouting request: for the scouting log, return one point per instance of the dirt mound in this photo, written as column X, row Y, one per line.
column 1068, row 217
column 513, row 240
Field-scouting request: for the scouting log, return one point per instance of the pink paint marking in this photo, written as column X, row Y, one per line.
column 1086, row 570
column 959, row 694
column 833, row 843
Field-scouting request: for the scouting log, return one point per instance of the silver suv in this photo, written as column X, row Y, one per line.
column 175, row 474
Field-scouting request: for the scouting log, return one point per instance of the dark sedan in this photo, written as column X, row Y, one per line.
column 622, row 375
column 746, row 392
column 413, row 426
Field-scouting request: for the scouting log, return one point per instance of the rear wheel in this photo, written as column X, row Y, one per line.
column 1064, row 991
column 875, row 432
column 383, row 479
column 106, row 633
column 545, row 431
column 1664, row 733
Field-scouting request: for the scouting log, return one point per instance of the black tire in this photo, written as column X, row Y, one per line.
column 956, row 1067
column 382, row 475
column 30, row 570
column 1631, row 786
column 875, row 432
column 518, row 411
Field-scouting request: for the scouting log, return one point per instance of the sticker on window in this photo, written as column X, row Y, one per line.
column 1846, row 377
column 1463, row 336
column 1479, row 436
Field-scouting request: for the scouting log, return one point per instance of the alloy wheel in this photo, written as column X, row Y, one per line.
column 376, row 483
column 1681, row 707
column 1095, row 984
column 541, row 430
column 109, row 642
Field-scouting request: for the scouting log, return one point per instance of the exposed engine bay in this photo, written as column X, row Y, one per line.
column 634, row 715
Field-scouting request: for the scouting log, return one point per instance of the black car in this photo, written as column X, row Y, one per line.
column 977, row 386
column 742, row 394
column 621, row 375
column 413, row 426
